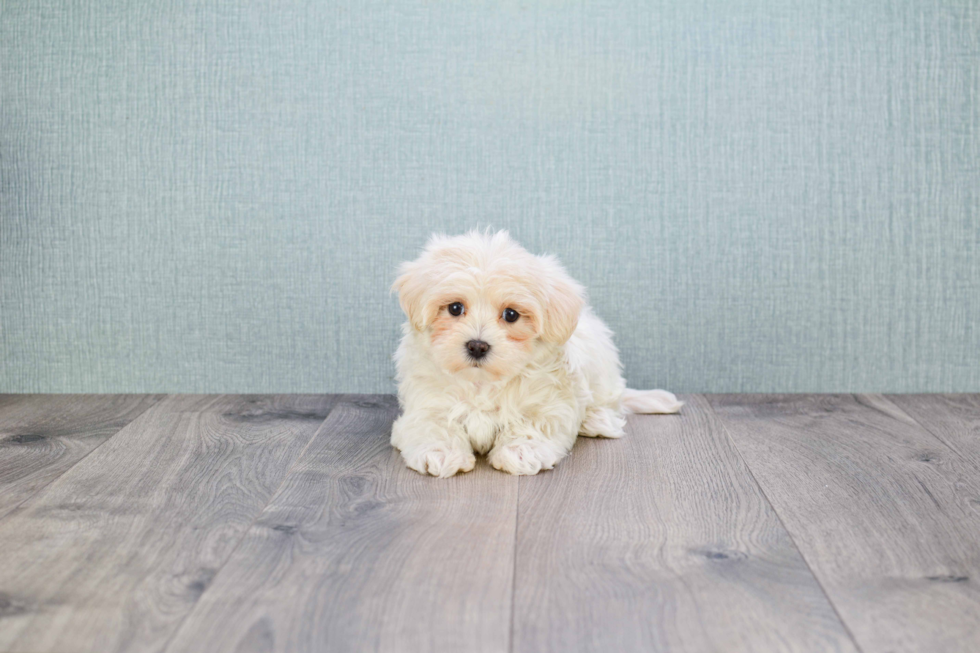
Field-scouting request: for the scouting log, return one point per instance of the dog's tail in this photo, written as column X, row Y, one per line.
column 650, row 401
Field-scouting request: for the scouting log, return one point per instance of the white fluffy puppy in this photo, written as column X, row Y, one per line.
column 501, row 354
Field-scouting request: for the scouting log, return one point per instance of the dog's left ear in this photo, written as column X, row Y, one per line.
column 564, row 299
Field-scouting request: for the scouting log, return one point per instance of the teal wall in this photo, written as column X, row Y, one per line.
column 213, row 196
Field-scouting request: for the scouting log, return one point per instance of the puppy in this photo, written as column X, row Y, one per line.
column 501, row 355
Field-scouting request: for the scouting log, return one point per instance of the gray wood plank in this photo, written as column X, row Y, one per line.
column 662, row 541
column 113, row 554
column 42, row 436
column 953, row 418
column 885, row 514
column 357, row 552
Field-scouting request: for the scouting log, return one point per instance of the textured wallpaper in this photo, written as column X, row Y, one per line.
column 213, row 196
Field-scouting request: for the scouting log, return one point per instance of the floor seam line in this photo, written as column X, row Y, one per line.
column 925, row 428
column 258, row 514
column 823, row 590
column 513, row 573
column 16, row 509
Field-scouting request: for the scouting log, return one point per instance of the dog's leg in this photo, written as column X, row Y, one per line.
column 601, row 421
column 430, row 448
column 526, row 449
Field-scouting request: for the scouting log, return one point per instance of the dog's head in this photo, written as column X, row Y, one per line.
column 485, row 303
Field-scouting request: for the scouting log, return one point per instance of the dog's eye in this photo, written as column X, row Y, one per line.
column 456, row 309
column 510, row 315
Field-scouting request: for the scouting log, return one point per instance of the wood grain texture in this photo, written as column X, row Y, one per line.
column 41, row 436
column 952, row 418
column 662, row 541
column 114, row 554
column 886, row 515
column 358, row 553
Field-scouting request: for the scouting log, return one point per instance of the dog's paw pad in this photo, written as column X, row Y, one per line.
column 440, row 460
column 524, row 457
column 604, row 423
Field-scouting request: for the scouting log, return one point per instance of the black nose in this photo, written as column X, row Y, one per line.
column 477, row 348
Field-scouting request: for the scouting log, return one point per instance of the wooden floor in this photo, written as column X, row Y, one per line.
column 287, row 523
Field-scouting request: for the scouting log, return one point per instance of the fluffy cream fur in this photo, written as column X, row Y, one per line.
column 549, row 376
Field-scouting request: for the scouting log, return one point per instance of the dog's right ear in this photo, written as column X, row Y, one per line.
column 411, row 286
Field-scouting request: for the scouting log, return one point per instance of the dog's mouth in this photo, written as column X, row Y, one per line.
column 474, row 364
column 478, row 371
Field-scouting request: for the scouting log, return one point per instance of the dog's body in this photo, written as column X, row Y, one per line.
column 518, row 373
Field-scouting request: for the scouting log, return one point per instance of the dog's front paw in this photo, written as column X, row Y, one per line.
column 440, row 459
column 525, row 457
